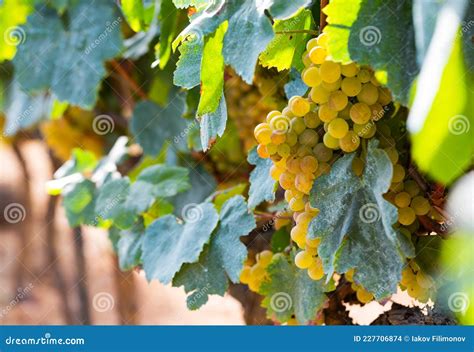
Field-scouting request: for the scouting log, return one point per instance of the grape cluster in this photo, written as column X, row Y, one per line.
column 247, row 103
column 341, row 108
column 418, row 284
column 254, row 273
column 362, row 294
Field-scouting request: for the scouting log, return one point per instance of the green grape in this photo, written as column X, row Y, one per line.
column 291, row 138
column 308, row 138
column 322, row 153
column 406, row 216
column 283, row 150
column 402, row 200
column 330, row 71
column 338, row 128
column 337, row 100
column 351, row 86
column 312, row 120
column 369, row 94
column 420, row 205
column 297, row 125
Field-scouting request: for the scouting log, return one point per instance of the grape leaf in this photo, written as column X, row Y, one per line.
column 213, row 124
column 168, row 19
column 290, row 291
column 222, row 259
column 138, row 13
column 442, row 127
column 168, row 245
column 138, row 45
column 295, row 85
column 283, row 9
column 148, row 121
column 92, row 36
column 262, row 187
column 369, row 32
column 188, row 67
column 182, row 4
column 24, row 110
column 286, row 50
column 223, row 196
column 212, row 72
column 129, row 246
column 13, row 13
column 122, row 202
column 79, row 203
column 355, row 223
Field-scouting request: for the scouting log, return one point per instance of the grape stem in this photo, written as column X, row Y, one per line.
column 266, row 215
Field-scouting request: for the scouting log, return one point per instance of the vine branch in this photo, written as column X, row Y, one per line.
column 129, row 79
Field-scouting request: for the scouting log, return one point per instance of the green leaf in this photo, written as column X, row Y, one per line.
column 212, row 72
column 82, row 161
column 24, row 110
column 129, row 247
column 72, row 59
column 139, row 13
column 223, row 196
column 182, row 4
column 443, row 128
column 148, row 120
column 13, row 13
column 428, row 252
column 223, row 258
column 368, row 32
column 262, row 186
column 286, row 50
column 213, row 124
column 79, row 203
column 283, row 9
column 290, row 291
column 280, row 240
column 188, row 67
column 248, row 35
column 168, row 19
column 168, row 244
column 355, row 223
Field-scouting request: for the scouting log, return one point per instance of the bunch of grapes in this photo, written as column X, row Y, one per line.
column 247, row 103
column 302, row 140
column 73, row 130
column 255, row 272
column 362, row 294
column 418, row 284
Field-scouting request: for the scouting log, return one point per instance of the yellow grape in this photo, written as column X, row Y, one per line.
column 276, row 172
column 306, row 60
column 337, row 100
column 263, row 136
column 311, row 77
column 357, row 166
column 319, row 95
column 392, row 154
column 303, row 183
column 298, row 233
column 310, row 44
column 277, row 138
column 360, row 113
column 271, row 148
column 271, row 115
column 412, row 188
column 330, row 71
column 364, row 75
column 351, row 86
column 331, row 87
column 317, row 55
column 350, row 70
column 369, row 94
column 398, row 173
column 364, row 296
column 326, row 114
column 245, row 275
column 406, row 216
column 322, row 152
column 323, row 40
column 297, row 125
column 420, row 205
column 257, row 270
column 312, row 120
column 385, row 97
column 262, row 151
column 350, row 142
column 286, row 180
column 330, row 141
column 424, row 280
column 316, row 270
column 366, row 130
column 309, row 164
column 402, row 200
column 377, row 111
column 296, row 204
column 299, row 106
column 284, row 150
column 293, row 165
column 291, row 138
column 264, row 258
column 338, row 128
column 313, row 242
column 303, row 260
